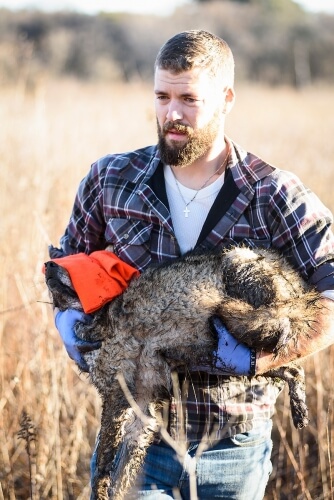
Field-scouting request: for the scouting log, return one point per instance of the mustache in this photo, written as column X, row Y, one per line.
column 179, row 127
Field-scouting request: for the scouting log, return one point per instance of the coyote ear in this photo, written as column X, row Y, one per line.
column 102, row 316
column 98, row 327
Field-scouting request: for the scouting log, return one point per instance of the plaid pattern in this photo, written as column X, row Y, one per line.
column 116, row 205
column 218, row 406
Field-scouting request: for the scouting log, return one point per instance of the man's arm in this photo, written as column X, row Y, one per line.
column 86, row 227
column 321, row 337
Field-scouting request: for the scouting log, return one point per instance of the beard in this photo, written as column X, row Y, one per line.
column 198, row 144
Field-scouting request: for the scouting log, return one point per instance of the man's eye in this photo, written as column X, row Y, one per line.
column 162, row 97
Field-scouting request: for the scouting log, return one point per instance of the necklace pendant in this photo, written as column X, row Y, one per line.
column 186, row 211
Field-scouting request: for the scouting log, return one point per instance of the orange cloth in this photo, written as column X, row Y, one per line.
column 97, row 278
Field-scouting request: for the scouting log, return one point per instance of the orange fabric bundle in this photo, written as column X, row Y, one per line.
column 97, row 278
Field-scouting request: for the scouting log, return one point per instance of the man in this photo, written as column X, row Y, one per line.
column 199, row 189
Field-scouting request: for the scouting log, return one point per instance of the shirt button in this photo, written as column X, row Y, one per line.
column 126, row 236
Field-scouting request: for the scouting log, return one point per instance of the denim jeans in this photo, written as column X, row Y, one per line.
column 235, row 468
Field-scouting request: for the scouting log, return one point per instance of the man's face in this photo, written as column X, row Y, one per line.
column 190, row 118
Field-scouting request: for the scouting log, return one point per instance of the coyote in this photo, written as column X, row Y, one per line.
column 163, row 320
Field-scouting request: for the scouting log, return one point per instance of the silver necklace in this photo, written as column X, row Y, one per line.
column 186, row 210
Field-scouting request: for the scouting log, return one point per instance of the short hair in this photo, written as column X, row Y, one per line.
column 197, row 49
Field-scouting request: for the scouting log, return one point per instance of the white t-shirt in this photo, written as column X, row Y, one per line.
column 188, row 226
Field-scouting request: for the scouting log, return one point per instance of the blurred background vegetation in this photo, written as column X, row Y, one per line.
column 75, row 87
column 274, row 42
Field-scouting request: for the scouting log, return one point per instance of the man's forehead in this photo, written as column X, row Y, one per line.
column 194, row 78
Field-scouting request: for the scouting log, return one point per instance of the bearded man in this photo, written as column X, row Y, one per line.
column 198, row 189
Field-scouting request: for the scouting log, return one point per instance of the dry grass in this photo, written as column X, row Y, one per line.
column 48, row 139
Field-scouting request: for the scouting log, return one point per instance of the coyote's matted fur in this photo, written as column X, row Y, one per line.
column 165, row 313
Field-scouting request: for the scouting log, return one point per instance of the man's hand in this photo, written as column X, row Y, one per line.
column 65, row 322
column 231, row 357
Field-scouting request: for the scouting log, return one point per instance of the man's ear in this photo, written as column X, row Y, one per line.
column 229, row 99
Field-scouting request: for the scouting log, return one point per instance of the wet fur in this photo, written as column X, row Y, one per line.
column 165, row 313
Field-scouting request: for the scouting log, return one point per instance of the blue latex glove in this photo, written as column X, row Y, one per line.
column 231, row 357
column 65, row 323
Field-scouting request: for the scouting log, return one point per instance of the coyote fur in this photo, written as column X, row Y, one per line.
column 164, row 314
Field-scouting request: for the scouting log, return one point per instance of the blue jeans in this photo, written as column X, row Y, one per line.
column 235, row 468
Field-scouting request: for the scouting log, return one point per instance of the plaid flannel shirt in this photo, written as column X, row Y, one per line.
column 122, row 203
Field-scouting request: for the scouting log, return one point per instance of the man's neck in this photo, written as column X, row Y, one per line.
column 204, row 171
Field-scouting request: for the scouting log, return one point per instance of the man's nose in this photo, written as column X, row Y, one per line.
column 174, row 111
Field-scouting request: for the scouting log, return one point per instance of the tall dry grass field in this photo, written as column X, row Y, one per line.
column 49, row 136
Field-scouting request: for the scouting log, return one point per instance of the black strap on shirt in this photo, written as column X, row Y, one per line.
column 226, row 196
column 157, row 183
